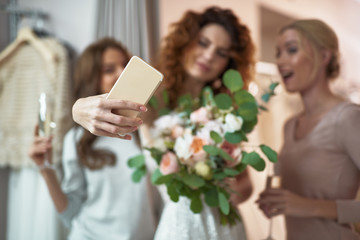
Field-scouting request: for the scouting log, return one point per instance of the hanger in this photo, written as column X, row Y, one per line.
column 26, row 35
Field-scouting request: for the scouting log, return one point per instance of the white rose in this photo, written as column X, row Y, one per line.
column 199, row 116
column 182, row 147
column 232, row 123
column 204, row 132
column 166, row 123
column 159, row 143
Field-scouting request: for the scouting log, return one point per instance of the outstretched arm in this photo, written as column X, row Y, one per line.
column 98, row 115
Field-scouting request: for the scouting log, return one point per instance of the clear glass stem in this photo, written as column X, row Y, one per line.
column 270, row 229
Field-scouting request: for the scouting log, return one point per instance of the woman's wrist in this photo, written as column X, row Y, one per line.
column 322, row 209
column 46, row 168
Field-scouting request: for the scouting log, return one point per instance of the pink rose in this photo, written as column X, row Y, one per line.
column 169, row 164
column 234, row 151
column 199, row 116
column 177, row 131
column 197, row 150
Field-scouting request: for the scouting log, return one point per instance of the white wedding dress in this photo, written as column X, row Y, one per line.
column 178, row 222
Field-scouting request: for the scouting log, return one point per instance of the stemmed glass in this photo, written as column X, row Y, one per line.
column 272, row 181
column 45, row 121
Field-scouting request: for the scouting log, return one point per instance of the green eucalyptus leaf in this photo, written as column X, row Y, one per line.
column 219, row 176
column 196, row 205
column 138, row 174
column 266, row 97
column 211, row 198
column 216, row 137
column 185, row 100
column 253, row 159
column 233, row 80
column 173, row 191
column 241, row 167
column 273, row 86
column 247, row 106
column 164, row 111
column 153, row 102
column 156, row 154
column 224, row 203
column 212, row 150
column 231, row 172
column 164, row 179
column 193, row 180
column 269, row 153
column 165, row 97
column 248, row 126
column 208, row 96
column 155, row 176
column 262, row 107
column 223, row 101
column 234, row 137
column 225, row 155
column 136, row 161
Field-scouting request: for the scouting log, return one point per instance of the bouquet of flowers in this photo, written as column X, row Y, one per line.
column 199, row 145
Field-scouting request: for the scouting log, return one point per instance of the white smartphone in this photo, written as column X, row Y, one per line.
column 137, row 83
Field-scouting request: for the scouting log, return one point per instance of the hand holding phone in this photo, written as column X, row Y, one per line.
column 137, row 83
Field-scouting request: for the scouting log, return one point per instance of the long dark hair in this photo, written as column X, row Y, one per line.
column 87, row 77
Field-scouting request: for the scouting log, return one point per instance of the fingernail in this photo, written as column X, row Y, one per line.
column 143, row 108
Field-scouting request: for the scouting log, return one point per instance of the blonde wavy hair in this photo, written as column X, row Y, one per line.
column 321, row 37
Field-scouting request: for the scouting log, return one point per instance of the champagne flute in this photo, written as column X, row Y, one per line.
column 45, row 120
column 272, row 181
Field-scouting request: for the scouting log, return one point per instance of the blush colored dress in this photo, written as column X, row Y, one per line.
column 324, row 165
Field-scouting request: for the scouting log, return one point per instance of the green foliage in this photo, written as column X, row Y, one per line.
column 165, row 97
column 211, row 198
column 193, row 180
column 153, row 102
column 235, row 137
column 269, row 153
column 190, row 182
column 231, row 172
column 224, row 203
column 223, row 101
column 216, row 137
column 271, row 92
column 248, row 126
column 247, row 107
column 207, row 97
column 138, row 174
column 225, row 155
column 212, row 150
column 155, row 154
column 253, row 159
column 164, row 111
column 233, row 80
column 136, row 161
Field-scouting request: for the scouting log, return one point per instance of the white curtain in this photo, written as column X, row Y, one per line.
column 129, row 21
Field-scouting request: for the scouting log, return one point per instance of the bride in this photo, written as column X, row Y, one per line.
column 197, row 51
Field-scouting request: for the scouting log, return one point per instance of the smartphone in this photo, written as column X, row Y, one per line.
column 137, row 83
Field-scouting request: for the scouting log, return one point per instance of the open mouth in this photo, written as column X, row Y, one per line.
column 287, row 75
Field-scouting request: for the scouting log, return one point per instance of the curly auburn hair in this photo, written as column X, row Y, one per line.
column 185, row 32
column 87, row 77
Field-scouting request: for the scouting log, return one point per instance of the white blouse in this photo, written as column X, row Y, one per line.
column 105, row 203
